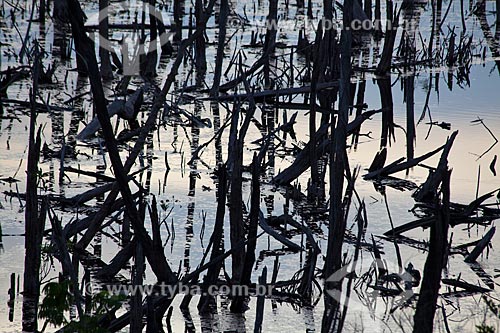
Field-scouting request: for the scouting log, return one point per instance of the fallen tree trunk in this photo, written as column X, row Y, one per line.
column 275, row 93
column 126, row 109
column 465, row 285
column 478, row 249
column 397, row 166
column 455, row 219
column 429, row 188
column 302, row 162
column 280, row 238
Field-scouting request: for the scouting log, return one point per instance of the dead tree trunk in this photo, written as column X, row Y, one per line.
column 224, row 11
column 436, row 259
column 34, row 222
column 104, row 45
column 270, row 40
column 136, row 299
column 337, row 223
column 317, row 67
column 253, row 221
column 328, row 9
column 259, row 317
column 377, row 23
column 237, row 232
column 200, row 57
column 207, row 301
column 238, row 302
column 235, row 200
column 409, row 88
column 149, row 65
column 368, row 8
column 390, row 37
column 178, row 14
column 384, row 86
column 41, row 13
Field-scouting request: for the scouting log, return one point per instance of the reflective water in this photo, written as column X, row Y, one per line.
column 187, row 191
